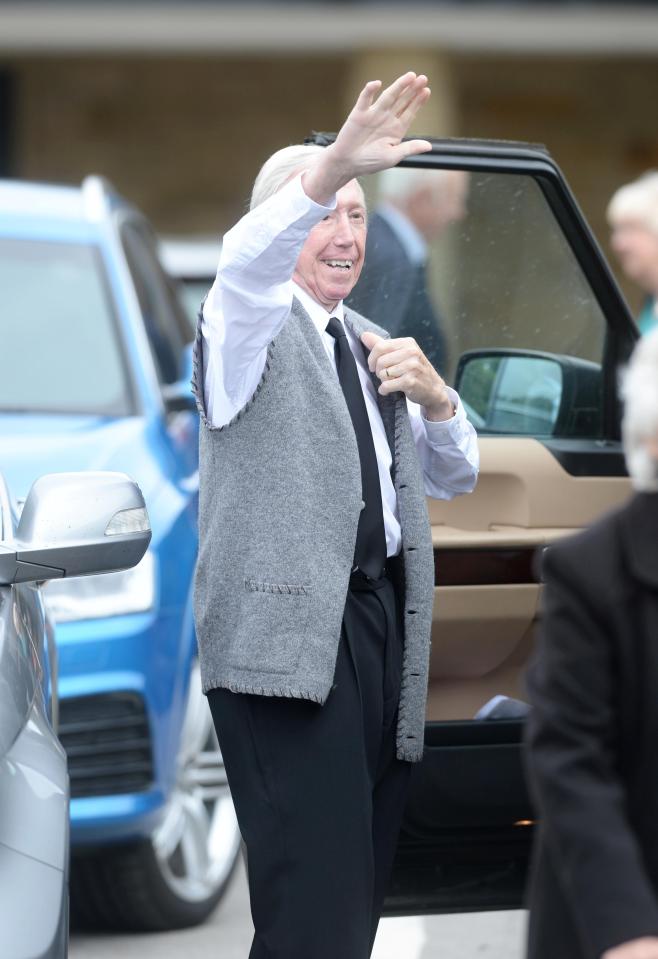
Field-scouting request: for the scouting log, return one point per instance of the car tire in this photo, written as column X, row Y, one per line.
column 176, row 877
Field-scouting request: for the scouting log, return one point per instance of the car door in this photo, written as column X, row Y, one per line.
column 532, row 330
column 168, row 335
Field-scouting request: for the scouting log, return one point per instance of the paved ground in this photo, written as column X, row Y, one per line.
column 227, row 934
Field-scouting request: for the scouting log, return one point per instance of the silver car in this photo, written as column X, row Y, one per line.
column 72, row 524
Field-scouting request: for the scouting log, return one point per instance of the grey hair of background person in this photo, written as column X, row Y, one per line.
column 639, row 390
column 638, row 201
column 398, row 183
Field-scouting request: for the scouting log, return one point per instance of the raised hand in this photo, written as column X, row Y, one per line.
column 370, row 139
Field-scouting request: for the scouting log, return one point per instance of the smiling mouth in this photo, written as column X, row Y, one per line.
column 340, row 264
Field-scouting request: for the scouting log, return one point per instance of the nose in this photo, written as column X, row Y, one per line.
column 344, row 234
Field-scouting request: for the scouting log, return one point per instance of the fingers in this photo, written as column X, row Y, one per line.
column 379, row 347
column 410, row 102
column 398, row 361
column 406, row 85
column 412, row 148
column 404, row 375
column 367, row 95
column 399, row 364
column 370, row 138
column 408, row 113
column 402, row 367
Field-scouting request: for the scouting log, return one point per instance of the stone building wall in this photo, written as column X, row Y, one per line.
column 594, row 116
column 183, row 137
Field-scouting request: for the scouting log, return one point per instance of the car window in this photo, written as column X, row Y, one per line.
column 60, row 345
column 166, row 326
column 192, row 293
column 483, row 269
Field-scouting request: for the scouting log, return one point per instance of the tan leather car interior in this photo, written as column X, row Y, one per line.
column 486, row 602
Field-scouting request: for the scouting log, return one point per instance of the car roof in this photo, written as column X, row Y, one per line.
column 91, row 202
column 190, row 257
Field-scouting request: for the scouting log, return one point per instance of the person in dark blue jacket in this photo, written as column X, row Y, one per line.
column 415, row 207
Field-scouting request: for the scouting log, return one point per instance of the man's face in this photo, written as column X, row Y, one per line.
column 332, row 256
column 636, row 248
column 438, row 201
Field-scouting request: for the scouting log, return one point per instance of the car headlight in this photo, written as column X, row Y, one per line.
column 108, row 594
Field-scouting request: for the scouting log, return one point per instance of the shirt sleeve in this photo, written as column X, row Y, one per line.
column 252, row 295
column 447, row 450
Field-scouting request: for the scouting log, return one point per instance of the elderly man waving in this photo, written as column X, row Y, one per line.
column 320, row 438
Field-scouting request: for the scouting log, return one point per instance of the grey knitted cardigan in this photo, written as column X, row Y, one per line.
column 279, row 501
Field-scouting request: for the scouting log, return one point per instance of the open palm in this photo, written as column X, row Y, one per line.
column 370, row 139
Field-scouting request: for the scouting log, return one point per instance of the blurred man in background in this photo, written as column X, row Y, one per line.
column 633, row 218
column 415, row 207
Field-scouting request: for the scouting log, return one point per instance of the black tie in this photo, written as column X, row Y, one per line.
column 370, row 549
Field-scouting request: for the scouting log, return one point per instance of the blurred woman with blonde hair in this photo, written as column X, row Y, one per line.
column 633, row 217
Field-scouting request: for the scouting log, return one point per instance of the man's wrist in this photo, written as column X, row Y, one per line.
column 439, row 412
column 325, row 178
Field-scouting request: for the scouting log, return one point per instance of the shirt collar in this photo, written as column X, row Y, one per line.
column 316, row 311
column 412, row 240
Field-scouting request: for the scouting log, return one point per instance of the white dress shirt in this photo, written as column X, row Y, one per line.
column 247, row 306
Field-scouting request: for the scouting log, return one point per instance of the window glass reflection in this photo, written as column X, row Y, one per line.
column 473, row 261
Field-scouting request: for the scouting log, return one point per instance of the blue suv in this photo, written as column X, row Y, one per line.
column 94, row 374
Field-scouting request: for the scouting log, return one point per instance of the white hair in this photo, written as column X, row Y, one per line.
column 637, row 201
column 280, row 167
column 639, row 389
column 397, row 183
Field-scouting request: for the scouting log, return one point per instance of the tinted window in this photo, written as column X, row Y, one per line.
column 485, row 265
column 60, row 350
column 166, row 326
column 192, row 292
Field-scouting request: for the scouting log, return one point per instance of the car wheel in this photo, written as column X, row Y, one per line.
column 177, row 877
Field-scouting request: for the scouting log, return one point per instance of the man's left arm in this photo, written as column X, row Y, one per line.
column 447, row 450
column 445, row 440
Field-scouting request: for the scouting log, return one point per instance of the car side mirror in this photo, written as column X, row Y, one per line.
column 77, row 524
column 178, row 396
column 527, row 393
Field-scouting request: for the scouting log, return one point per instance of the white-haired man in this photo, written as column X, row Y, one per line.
column 592, row 733
column 633, row 218
column 315, row 576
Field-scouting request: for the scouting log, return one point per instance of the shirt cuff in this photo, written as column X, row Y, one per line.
column 441, row 432
column 288, row 211
column 301, row 197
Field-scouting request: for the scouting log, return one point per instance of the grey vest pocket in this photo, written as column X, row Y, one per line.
column 273, row 619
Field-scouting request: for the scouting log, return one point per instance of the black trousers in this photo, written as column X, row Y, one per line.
column 319, row 793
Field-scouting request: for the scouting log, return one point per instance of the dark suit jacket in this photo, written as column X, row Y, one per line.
column 393, row 291
column 592, row 740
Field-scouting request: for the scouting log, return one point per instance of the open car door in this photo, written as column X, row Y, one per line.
column 533, row 332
